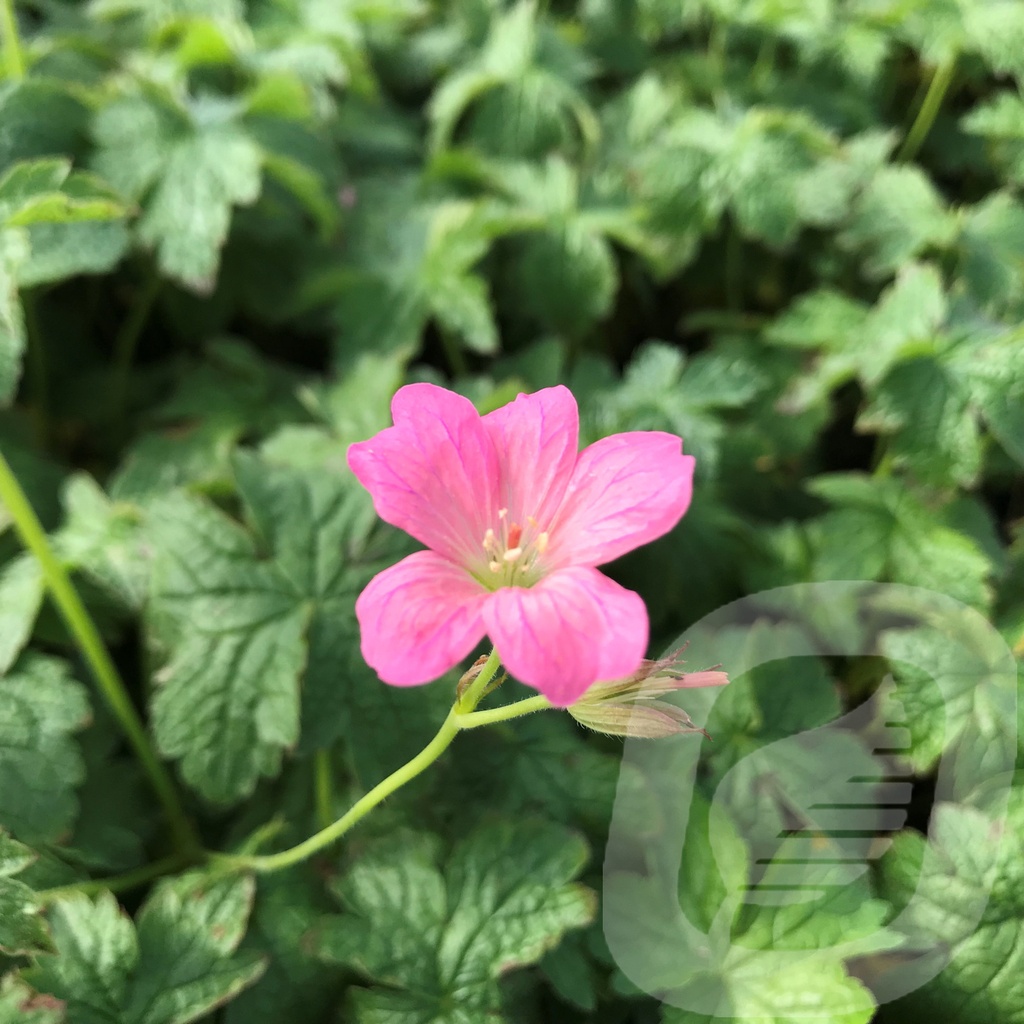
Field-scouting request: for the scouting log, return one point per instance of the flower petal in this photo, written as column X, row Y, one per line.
column 537, row 441
column 419, row 618
column 626, row 490
column 434, row 473
column 572, row 628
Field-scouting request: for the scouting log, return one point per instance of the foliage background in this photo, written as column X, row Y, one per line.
column 791, row 232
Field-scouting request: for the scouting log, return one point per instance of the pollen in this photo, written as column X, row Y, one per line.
column 513, row 555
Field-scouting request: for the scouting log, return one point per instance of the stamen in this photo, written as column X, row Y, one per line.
column 502, row 512
column 513, row 554
column 494, row 566
column 542, row 543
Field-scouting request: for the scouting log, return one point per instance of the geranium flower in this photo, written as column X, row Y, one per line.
column 516, row 520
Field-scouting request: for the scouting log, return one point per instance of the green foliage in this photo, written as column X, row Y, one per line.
column 174, row 964
column 967, row 886
column 22, row 930
column 791, row 233
column 439, row 928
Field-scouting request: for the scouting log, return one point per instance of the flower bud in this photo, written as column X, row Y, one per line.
column 629, row 707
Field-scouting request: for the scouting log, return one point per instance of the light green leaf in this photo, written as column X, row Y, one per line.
column 253, row 618
column 898, row 216
column 22, row 929
column 21, row 595
column 195, row 164
column 173, row 967
column 881, row 530
column 926, row 408
column 20, row 1005
column 962, row 895
column 40, row 765
column 438, row 930
column 950, row 690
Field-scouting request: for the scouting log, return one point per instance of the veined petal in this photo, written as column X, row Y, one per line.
column 434, row 473
column 572, row 628
column 626, row 490
column 419, row 618
column 537, row 441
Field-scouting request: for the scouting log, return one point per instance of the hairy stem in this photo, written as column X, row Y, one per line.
column 87, row 637
column 474, row 719
column 450, row 728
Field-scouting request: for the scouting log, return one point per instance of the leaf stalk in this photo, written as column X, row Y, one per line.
column 86, row 636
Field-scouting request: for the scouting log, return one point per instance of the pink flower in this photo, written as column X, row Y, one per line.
column 516, row 520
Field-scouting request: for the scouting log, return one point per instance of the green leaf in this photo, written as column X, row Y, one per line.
column 774, row 757
column 952, row 690
column 296, row 985
column 438, row 930
column 14, row 250
column 40, row 765
column 567, row 278
column 881, row 530
column 22, row 930
column 191, row 165
column 253, row 618
column 21, row 595
column 720, row 952
column 992, row 252
column 661, row 390
column 20, row 1005
column 962, row 898
column 898, row 216
column 926, row 406
column 175, row 965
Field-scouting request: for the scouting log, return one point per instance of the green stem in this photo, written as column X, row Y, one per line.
column 941, row 78
column 474, row 719
column 127, row 341
column 322, row 787
column 118, row 883
column 89, row 642
column 326, row 836
column 332, row 833
column 14, row 59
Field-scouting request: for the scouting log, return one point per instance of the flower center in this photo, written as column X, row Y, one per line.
column 512, row 552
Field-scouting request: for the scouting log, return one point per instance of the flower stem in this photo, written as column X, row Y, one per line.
column 450, row 728
column 326, row 836
column 941, row 78
column 474, row 719
column 14, row 59
column 87, row 637
column 118, row 883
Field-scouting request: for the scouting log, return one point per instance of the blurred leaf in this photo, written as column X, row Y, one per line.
column 880, row 530
column 962, row 901
column 22, row 929
column 40, row 765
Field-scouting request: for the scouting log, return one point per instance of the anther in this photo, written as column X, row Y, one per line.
column 513, row 554
column 542, row 543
